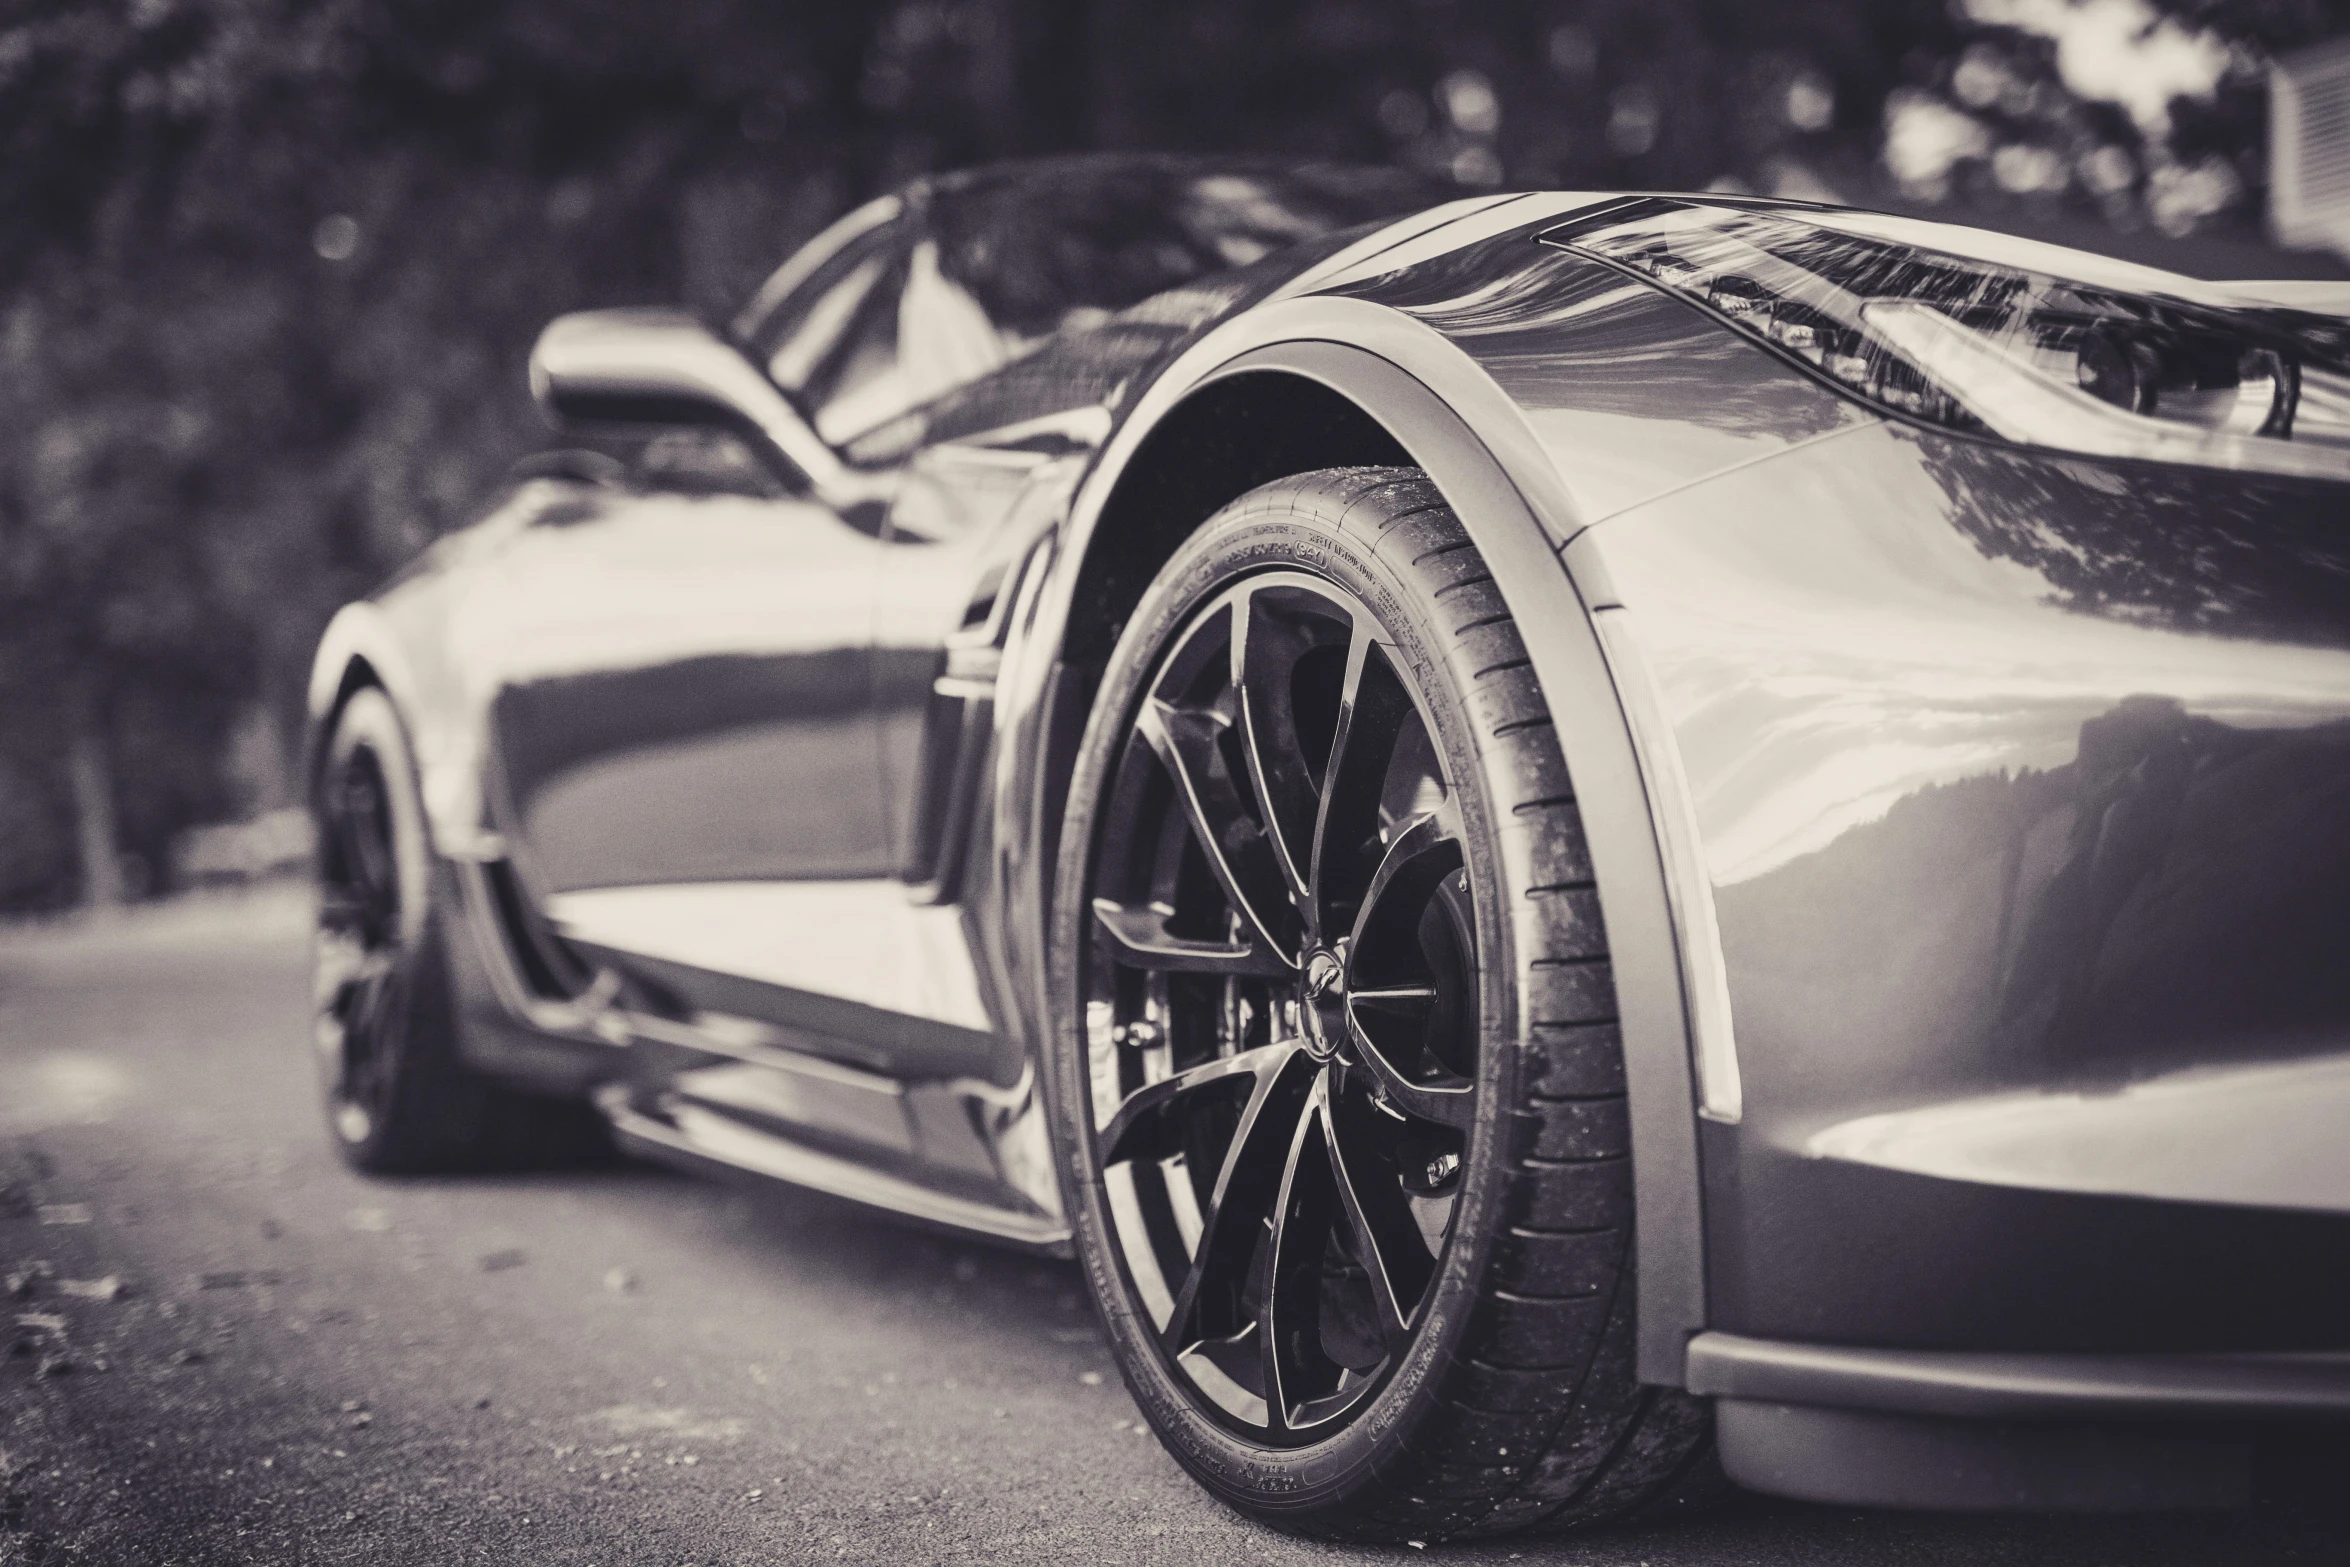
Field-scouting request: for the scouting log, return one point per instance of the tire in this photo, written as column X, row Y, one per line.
column 1420, row 1049
column 399, row 1100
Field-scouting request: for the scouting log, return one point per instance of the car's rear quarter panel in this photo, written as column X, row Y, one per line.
column 2024, row 789
column 2024, row 784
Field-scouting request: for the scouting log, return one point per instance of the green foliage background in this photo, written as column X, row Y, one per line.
column 269, row 268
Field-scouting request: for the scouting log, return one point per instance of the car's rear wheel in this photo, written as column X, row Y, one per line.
column 398, row 1098
column 1338, row 1090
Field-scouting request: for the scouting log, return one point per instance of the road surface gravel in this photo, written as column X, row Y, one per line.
column 223, row 1347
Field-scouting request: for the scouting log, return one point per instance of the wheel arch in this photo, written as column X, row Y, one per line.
column 353, row 654
column 1323, row 382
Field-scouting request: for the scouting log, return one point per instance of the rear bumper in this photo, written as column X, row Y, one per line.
column 1946, row 1429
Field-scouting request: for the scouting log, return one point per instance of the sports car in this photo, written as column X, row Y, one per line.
column 1572, row 842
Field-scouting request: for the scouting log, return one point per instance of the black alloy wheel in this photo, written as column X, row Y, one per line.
column 384, row 1019
column 361, row 979
column 1281, row 1005
column 373, row 928
column 1336, row 1083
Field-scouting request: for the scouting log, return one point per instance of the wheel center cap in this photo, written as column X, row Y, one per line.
column 1325, row 1008
column 1324, row 973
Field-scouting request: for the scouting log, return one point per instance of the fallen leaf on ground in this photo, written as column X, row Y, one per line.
column 106, row 1288
column 65, row 1213
column 637, row 1419
column 237, row 1279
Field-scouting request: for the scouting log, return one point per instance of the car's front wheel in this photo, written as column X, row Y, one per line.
column 1337, row 1086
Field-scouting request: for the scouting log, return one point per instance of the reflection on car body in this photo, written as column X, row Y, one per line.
column 1885, row 845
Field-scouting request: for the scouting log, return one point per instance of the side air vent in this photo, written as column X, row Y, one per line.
column 545, row 962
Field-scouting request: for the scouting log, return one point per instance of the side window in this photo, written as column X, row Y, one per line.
column 945, row 339
column 832, row 342
column 872, row 333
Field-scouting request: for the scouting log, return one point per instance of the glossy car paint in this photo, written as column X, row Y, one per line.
column 2022, row 784
column 2017, row 780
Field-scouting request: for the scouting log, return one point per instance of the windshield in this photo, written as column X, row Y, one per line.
column 1043, row 247
column 912, row 297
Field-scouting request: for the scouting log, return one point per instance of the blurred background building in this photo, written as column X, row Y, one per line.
column 269, row 268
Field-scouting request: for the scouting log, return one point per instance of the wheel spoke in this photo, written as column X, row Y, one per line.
column 1423, row 853
column 1140, row 1128
column 1245, row 1189
column 1289, row 1320
column 1452, row 1102
column 1189, row 745
column 362, row 835
column 1388, row 1243
column 1139, row 939
column 1372, row 709
column 1265, row 654
column 1416, row 861
column 1411, row 1000
column 363, row 1008
column 343, row 967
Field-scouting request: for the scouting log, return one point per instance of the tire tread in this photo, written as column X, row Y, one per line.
column 1543, row 1421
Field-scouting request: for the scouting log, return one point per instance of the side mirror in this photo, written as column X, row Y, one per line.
column 663, row 367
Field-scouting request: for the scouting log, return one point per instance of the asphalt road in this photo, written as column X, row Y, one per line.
column 226, row 1348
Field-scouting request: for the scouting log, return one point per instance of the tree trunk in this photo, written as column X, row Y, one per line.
column 89, row 762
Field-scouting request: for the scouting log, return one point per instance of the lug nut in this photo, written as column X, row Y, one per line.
column 1443, row 1168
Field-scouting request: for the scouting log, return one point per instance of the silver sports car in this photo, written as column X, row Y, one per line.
column 1560, row 836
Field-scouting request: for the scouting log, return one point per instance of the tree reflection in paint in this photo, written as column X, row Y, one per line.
column 2185, row 548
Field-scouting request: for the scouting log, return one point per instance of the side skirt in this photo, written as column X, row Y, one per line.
column 705, row 1142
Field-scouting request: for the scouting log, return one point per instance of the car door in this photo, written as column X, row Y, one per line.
column 684, row 748
column 694, row 771
column 685, row 695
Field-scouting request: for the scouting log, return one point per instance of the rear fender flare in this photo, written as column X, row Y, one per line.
column 449, row 745
column 1477, row 447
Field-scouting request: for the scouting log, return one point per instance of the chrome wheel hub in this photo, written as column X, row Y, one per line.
column 1324, row 1011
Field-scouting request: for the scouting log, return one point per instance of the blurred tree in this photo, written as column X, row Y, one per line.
column 269, row 273
column 269, row 268
column 2148, row 111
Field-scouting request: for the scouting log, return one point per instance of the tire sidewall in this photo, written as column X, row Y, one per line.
column 1285, row 1485
column 368, row 722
